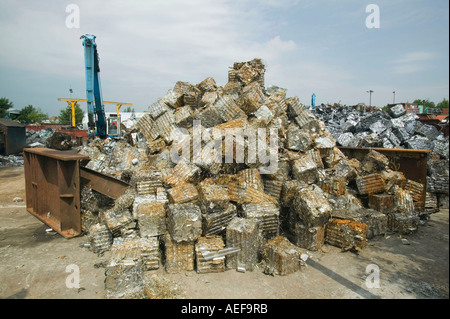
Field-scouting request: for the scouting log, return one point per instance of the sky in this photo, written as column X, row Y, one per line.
column 308, row 46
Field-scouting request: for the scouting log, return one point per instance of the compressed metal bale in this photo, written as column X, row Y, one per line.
column 289, row 191
column 403, row 223
column 184, row 222
column 184, row 117
column 250, row 178
column 216, row 223
column 370, row 184
column 252, row 98
column 157, row 108
column 397, row 111
column 345, row 139
column 297, row 139
column 100, row 237
column 124, row 281
column 117, row 219
column 184, row 171
column 393, row 178
column 334, row 186
column 228, row 109
column 344, row 206
column 146, row 125
column 267, row 215
column 283, row 172
column 416, row 190
column 404, row 202
column 311, row 238
column 419, row 143
column 158, row 287
column 245, row 195
column 207, row 85
column 294, row 107
column 305, row 169
column 264, row 114
column 136, row 250
column 248, row 72
column 429, row 131
column 182, row 193
column 346, row 234
column 384, row 203
column 209, row 116
column 179, row 256
column 273, row 187
column 172, row 99
column 431, row 203
column 347, row 169
column 312, row 206
column 212, row 197
column 209, row 245
column 377, row 222
column 281, row 256
column 165, row 126
column 276, row 102
column 401, row 134
column 151, row 219
column 245, row 234
column 146, row 181
column 380, row 126
column 374, row 162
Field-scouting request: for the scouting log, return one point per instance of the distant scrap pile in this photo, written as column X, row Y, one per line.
column 213, row 215
column 393, row 129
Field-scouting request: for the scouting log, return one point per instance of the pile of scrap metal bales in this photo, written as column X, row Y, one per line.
column 393, row 129
column 202, row 197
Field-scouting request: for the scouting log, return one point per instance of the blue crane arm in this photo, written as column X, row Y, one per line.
column 96, row 111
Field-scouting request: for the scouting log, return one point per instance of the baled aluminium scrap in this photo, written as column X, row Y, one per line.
column 184, row 222
column 179, row 256
column 205, row 246
column 212, row 197
column 312, row 206
column 382, row 202
column 346, row 234
column 245, row 234
column 100, row 237
column 151, row 218
column 314, row 181
column 182, row 193
column 370, row 184
column 281, row 256
column 266, row 214
column 216, row 223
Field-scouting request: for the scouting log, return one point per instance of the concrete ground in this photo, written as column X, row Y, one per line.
column 37, row 264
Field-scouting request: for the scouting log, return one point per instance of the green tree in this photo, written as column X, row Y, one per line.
column 129, row 109
column 30, row 114
column 65, row 115
column 443, row 104
column 5, row 104
column 426, row 103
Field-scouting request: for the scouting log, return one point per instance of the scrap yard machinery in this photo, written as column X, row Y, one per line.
column 98, row 124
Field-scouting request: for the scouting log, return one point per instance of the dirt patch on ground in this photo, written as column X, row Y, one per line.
column 37, row 264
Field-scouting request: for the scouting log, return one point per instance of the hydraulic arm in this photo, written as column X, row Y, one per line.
column 96, row 111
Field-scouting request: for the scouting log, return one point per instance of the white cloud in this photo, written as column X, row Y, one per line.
column 413, row 62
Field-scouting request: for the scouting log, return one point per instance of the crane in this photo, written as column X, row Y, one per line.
column 96, row 111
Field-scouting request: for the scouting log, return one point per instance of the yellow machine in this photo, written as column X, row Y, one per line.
column 113, row 122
